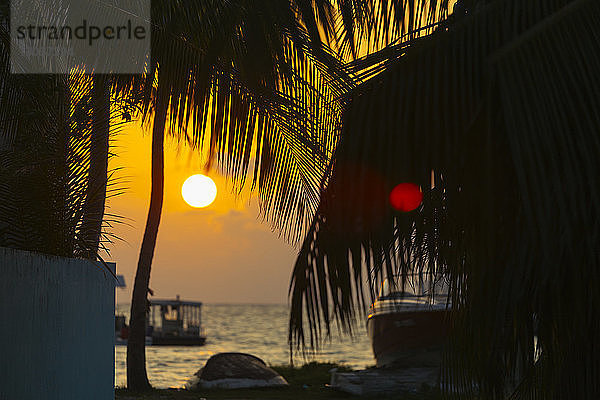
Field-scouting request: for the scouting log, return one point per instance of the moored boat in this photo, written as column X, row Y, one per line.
column 176, row 323
column 408, row 328
column 170, row 322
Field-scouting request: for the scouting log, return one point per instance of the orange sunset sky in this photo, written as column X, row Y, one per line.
column 222, row 253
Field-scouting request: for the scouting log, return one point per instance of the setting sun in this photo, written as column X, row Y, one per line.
column 199, row 191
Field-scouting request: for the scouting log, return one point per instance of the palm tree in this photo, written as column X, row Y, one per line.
column 260, row 74
column 271, row 94
column 95, row 197
column 499, row 104
column 47, row 147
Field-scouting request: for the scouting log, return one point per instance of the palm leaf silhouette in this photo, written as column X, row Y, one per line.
column 500, row 105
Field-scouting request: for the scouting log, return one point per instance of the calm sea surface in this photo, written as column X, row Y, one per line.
column 261, row 330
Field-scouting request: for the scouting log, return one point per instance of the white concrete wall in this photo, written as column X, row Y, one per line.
column 56, row 328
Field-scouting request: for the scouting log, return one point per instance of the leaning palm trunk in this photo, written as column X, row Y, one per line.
column 96, row 191
column 137, row 378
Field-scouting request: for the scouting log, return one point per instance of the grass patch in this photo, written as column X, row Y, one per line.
column 312, row 374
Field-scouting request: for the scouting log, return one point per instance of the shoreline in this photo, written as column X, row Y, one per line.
column 308, row 381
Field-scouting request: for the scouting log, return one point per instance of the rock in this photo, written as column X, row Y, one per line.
column 235, row 371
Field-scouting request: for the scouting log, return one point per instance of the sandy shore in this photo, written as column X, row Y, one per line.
column 307, row 382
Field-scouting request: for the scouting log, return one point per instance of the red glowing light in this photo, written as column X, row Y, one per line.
column 406, row 197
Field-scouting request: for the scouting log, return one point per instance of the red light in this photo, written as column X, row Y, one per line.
column 406, row 197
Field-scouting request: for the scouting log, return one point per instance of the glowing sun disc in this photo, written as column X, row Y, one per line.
column 199, row 191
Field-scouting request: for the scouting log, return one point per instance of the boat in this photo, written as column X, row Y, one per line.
column 408, row 325
column 170, row 322
column 175, row 323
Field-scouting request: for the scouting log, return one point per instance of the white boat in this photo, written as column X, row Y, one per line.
column 170, row 322
column 175, row 323
column 408, row 326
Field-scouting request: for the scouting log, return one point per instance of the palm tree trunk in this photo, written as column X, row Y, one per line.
column 93, row 214
column 137, row 378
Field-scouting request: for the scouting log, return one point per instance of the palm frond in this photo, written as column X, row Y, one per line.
column 45, row 155
column 365, row 26
column 501, row 109
column 265, row 100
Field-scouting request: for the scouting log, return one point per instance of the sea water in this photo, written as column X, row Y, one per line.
column 261, row 330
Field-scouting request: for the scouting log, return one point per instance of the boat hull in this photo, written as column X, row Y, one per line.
column 178, row 340
column 119, row 341
column 408, row 338
column 169, row 341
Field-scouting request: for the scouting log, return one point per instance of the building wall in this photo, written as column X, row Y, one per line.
column 56, row 328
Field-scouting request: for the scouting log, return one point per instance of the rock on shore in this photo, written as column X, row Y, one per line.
column 235, row 371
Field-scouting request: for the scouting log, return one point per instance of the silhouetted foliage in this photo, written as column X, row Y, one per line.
column 500, row 106
column 45, row 142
